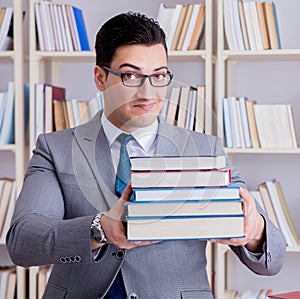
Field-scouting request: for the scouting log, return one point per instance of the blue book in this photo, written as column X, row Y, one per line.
column 83, row 38
column 186, row 194
column 277, row 25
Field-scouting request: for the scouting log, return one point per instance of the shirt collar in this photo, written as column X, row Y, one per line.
column 144, row 136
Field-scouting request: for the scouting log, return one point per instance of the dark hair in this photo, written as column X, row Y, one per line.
column 126, row 29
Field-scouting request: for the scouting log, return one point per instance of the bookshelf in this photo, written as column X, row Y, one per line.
column 14, row 166
column 261, row 75
column 57, row 67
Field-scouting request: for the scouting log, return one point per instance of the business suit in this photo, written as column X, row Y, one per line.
column 69, row 179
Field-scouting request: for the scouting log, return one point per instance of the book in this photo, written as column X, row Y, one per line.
column 263, row 24
column 243, row 25
column 6, row 21
column 11, row 285
column 185, row 27
column 177, row 163
column 182, row 228
column 7, row 127
column 252, row 124
column 173, row 25
column 282, row 213
column 272, row 25
column 287, row 295
column 179, row 27
column 200, row 110
column 5, row 198
column 81, row 29
column 173, row 105
column 185, row 178
column 185, row 208
column 186, row 194
column 183, row 106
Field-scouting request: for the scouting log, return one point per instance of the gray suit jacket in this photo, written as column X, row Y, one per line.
column 69, row 179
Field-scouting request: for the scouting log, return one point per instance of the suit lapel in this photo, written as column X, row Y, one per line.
column 95, row 163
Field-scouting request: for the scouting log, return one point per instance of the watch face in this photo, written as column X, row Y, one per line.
column 96, row 234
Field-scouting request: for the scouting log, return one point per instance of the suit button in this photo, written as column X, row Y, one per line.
column 77, row 259
column 133, row 296
column 269, row 257
column 62, row 260
column 120, row 254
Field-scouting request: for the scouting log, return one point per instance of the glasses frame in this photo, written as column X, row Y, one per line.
column 144, row 77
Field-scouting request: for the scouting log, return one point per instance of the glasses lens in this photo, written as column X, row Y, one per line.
column 160, row 80
column 132, row 79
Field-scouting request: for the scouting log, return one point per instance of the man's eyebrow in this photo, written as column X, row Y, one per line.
column 139, row 69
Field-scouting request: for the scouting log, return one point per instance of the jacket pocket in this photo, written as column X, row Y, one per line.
column 196, row 294
column 52, row 291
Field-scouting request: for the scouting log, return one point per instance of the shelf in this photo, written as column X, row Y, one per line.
column 261, row 151
column 8, row 147
column 7, row 55
column 265, row 55
column 87, row 56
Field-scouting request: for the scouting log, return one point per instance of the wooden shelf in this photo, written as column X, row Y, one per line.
column 261, row 151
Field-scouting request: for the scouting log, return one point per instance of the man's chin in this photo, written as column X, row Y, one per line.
column 142, row 121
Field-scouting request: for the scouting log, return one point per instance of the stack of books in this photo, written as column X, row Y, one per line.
column 183, row 198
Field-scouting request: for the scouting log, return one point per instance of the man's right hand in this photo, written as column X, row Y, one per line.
column 111, row 223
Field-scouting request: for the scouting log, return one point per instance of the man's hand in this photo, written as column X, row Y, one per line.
column 254, row 226
column 113, row 227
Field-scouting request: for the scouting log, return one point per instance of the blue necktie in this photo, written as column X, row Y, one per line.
column 124, row 166
column 117, row 290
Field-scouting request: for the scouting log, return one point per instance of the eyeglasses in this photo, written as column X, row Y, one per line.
column 134, row 79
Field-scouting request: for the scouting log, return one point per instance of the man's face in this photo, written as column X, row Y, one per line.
column 129, row 108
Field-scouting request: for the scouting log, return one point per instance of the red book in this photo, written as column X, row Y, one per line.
column 288, row 295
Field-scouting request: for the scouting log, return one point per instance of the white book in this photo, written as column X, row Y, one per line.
column 183, row 106
column 39, row 26
column 39, row 109
column 240, row 124
column 62, row 28
column 228, row 131
column 49, row 37
column 249, row 25
column 173, row 104
column 190, row 119
column 244, row 120
column 191, row 26
column 56, row 27
column 173, row 25
column 164, row 17
column 292, row 126
column 256, row 27
column 9, row 213
column 67, row 28
column 5, row 26
column 7, row 127
column 200, row 110
column 237, row 25
column 227, row 25
column 257, row 196
column 235, row 122
column 284, row 226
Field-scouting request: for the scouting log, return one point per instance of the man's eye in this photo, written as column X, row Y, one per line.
column 159, row 77
column 131, row 76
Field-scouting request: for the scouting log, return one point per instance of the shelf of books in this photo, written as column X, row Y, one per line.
column 257, row 117
column 13, row 279
column 189, row 39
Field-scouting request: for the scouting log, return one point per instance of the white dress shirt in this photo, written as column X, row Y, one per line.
column 143, row 144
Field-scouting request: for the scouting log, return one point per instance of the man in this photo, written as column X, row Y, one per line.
column 68, row 213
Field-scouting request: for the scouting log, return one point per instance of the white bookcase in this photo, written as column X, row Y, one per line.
column 58, row 68
column 12, row 155
column 262, row 76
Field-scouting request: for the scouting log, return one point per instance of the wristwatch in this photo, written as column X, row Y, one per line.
column 96, row 231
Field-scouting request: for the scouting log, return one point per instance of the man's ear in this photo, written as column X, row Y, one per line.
column 100, row 77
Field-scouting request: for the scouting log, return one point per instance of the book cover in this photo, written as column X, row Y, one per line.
column 81, row 29
column 177, row 163
column 185, row 178
column 184, row 228
column 288, row 295
column 186, row 194
column 185, row 208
